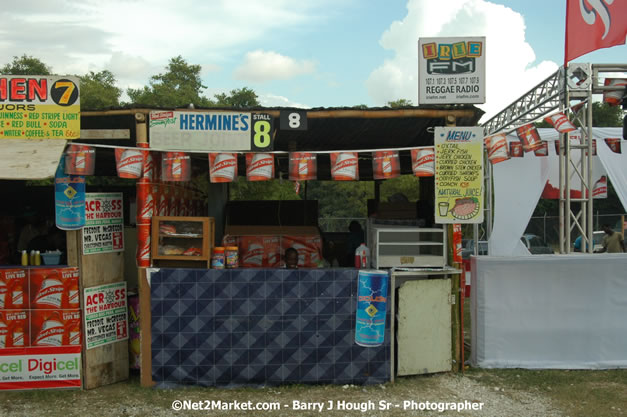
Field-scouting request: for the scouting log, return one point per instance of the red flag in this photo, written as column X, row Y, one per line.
column 592, row 25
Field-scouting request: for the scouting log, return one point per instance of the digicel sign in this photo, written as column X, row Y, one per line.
column 40, row 368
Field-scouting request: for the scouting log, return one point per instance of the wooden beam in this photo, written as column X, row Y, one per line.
column 87, row 134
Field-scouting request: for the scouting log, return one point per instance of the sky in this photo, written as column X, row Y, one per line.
column 305, row 53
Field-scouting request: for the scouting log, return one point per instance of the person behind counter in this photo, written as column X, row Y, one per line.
column 291, row 258
column 355, row 238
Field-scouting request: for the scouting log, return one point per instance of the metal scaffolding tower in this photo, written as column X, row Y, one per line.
column 571, row 92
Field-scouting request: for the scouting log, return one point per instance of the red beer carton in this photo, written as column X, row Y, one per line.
column 13, row 289
column 55, row 328
column 14, row 328
column 309, row 249
column 54, row 288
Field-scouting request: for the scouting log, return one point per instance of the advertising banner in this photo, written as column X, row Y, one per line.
column 214, row 131
column 105, row 314
column 69, row 199
column 39, row 107
column 451, row 70
column 458, row 174
column 104, row 223
column 40, row 367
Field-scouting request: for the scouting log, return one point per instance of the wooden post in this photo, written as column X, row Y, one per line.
column 145, row 317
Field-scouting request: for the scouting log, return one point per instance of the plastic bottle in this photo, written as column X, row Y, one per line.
column 362, row 256
column 37, row 258
column 217, row 260
column 24, row 258
column 31, row 258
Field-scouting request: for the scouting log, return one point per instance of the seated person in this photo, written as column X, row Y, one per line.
column 291, row 258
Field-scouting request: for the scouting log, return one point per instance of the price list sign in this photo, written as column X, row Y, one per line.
column 458, row 175
column 39, row 107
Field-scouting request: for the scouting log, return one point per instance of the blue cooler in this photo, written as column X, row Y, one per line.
column 372, row 297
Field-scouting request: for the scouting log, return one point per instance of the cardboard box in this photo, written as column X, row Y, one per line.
column 14, row 289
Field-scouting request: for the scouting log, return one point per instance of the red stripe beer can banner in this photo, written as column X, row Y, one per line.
column 560, row 122
column 423, row 162
column 614, row 97
column 542, row 150
column 143, row 245
column 129, row 162
column 259, row 166
column 302, row 166
column 497, row 148
column 344, row 166
column 145, row 201
column 529, row 137
column 222, row 167
column 385, row 164
column 175, row 166
column 80, row 160
column 515, row 150
column 614, row 144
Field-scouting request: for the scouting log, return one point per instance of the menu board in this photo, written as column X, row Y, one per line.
column 459, row 175
column 39, row 107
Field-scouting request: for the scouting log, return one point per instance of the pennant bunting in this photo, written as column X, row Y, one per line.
column 423, row 162
column 302, row 166
column 344, row 166
column 80, row 160
column 497, row 148
column 560, row 122
column 259, row 166
column 529, row 137
column 222, row 167
column 385, row 165
column 175, row 166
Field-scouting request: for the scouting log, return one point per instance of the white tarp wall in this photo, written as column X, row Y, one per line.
column 518, row 184
column 549, row 311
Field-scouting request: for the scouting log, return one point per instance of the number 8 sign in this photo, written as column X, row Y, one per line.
column 293, row 120
column 261, row 133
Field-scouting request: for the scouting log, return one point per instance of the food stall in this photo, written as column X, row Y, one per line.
column 257, row 323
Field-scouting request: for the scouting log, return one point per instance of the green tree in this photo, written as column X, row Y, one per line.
column 178, row 87
column 26, row 65
column 98, row 90
column 401, row 102
column 262, row 190
column 243, row 97
column 604, row 115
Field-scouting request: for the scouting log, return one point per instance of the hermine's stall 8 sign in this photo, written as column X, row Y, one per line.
column 104, row 223
column 211, row 131
column 458, row 174
column 106, row 315
column 39, row 107
column 451, row 70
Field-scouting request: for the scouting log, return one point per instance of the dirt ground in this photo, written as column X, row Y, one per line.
column 498, row 393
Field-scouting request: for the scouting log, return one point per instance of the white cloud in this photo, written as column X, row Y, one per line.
column 271, row 100
column 510, row 61
column 136, row 38
column 262, row 66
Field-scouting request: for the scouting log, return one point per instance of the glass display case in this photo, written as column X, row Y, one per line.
column 182, row 239
column 407, row 247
